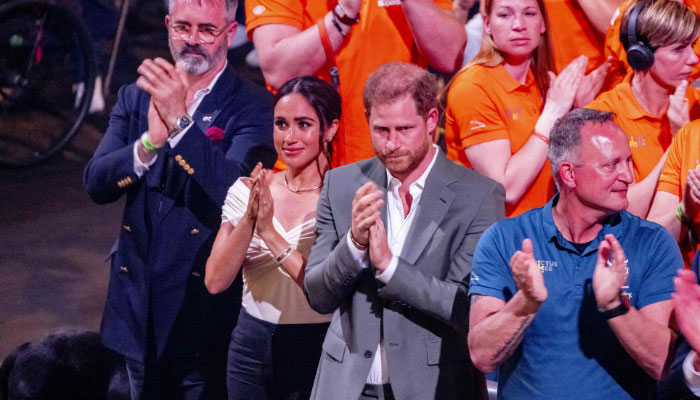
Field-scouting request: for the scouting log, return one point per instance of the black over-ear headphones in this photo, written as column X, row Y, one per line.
column 639, row 55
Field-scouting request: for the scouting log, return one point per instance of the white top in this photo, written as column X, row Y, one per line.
column 269, row 293
column 397, row 230
column 691, row 376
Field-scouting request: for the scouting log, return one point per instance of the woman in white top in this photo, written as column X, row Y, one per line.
column 267, row 231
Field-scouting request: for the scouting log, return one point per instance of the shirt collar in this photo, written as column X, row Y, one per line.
column 203, row 92
column 420, row 182
column 629, row 107
column 612, row 224
column 507, row 82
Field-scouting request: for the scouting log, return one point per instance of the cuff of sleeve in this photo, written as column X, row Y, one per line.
column 140, row 167
column 358, row 255
column 690, row 375
column 385, row 276
column 173, row 141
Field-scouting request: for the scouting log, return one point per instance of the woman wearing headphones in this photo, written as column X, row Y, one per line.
column 654, row 101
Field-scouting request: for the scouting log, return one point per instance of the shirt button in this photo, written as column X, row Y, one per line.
column 368, row 354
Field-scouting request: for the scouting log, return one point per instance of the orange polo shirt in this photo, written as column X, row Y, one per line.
column 683, row 155
column 613, row 47
column 572, row 34
column 486, row 104
column 649, row 135
column 382, row 35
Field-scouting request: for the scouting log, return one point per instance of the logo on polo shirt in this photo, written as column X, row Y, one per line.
column 259, row 9
column 546, row 266
column 697, row 163
column 514, row 114
column 475, row 277
column 638, row 141
column 476, row 125
column 625, row 289
column 387, row 3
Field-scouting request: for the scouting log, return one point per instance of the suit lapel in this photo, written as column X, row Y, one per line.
column 211, row 106
column 434, row 204
column 174, row 178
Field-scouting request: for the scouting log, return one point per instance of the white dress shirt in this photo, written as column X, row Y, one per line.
column 140, row 167
column 397, row 229
column 690, row 375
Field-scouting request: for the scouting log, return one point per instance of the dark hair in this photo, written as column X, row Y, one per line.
column 321, row 96
column 565, row 136
column 395, row 80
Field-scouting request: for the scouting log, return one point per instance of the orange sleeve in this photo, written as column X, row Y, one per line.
column 600, row 103
column 475, row 113
column 263, row 12
column 670, row 179
column 444, row 4
column 613, row 48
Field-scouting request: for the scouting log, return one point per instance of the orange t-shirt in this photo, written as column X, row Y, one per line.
column 572, row 34
column 486, row 104
column 648, row 134
column 613, row 47
column 684, row 154
column 382, row 35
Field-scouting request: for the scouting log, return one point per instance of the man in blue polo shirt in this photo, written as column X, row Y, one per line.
column 572, row 300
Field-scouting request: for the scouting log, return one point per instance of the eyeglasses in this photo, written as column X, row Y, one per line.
column 207, row 34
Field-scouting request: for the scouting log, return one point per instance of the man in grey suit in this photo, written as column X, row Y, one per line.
column 393, row 256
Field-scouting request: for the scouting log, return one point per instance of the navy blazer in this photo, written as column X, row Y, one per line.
column 173, row 212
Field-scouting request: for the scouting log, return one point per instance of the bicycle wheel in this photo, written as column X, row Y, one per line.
column 47, row 74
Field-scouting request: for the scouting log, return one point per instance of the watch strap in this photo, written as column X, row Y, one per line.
column 343, row 17
column 621, row 309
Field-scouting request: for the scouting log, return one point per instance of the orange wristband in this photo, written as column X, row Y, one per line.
column 542, row 137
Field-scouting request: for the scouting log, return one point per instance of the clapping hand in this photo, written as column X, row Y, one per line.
column 686, row 306
column 527, row 275
column 678, row 113
column 610, row 273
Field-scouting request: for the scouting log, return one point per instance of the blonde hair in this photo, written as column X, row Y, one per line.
column 661, row 23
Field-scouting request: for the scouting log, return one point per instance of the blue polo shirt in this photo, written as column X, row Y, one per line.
column 569, row 351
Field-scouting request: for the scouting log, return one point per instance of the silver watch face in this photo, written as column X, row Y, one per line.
column 183, row 122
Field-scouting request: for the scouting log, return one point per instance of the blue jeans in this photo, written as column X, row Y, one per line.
column 267, row 361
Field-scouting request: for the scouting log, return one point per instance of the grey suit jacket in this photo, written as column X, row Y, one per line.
column 424, row 309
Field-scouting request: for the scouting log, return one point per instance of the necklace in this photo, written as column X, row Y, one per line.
column 299, row 191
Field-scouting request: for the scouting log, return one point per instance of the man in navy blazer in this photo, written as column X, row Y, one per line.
column 176, row 141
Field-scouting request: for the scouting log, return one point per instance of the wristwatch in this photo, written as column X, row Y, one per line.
column 182, row 122
column 621, row 309
column 343, row 17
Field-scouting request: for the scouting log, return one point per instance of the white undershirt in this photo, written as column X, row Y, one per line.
column 397, row 230
column 691, row 376
column 140, row 167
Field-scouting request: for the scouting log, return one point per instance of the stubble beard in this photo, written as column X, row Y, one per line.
column 402, row 162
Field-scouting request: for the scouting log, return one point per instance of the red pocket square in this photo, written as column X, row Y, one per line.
column 215, row 133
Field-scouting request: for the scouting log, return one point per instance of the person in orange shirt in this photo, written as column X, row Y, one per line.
column 578, row 28
column 343, row 41
column 676, row 204
column 496, row 119
column 614, row 50
column 654, row 101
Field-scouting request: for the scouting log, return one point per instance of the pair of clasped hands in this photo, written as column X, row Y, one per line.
column 367, row 227
column 167, row 84
column 261, row 207
column 609, row 275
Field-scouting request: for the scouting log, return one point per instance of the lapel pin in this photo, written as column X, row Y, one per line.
column 206, row 118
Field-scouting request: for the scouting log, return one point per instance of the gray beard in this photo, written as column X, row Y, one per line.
column 195, row 65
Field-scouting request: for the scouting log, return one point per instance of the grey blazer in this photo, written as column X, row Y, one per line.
column 424, row 309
